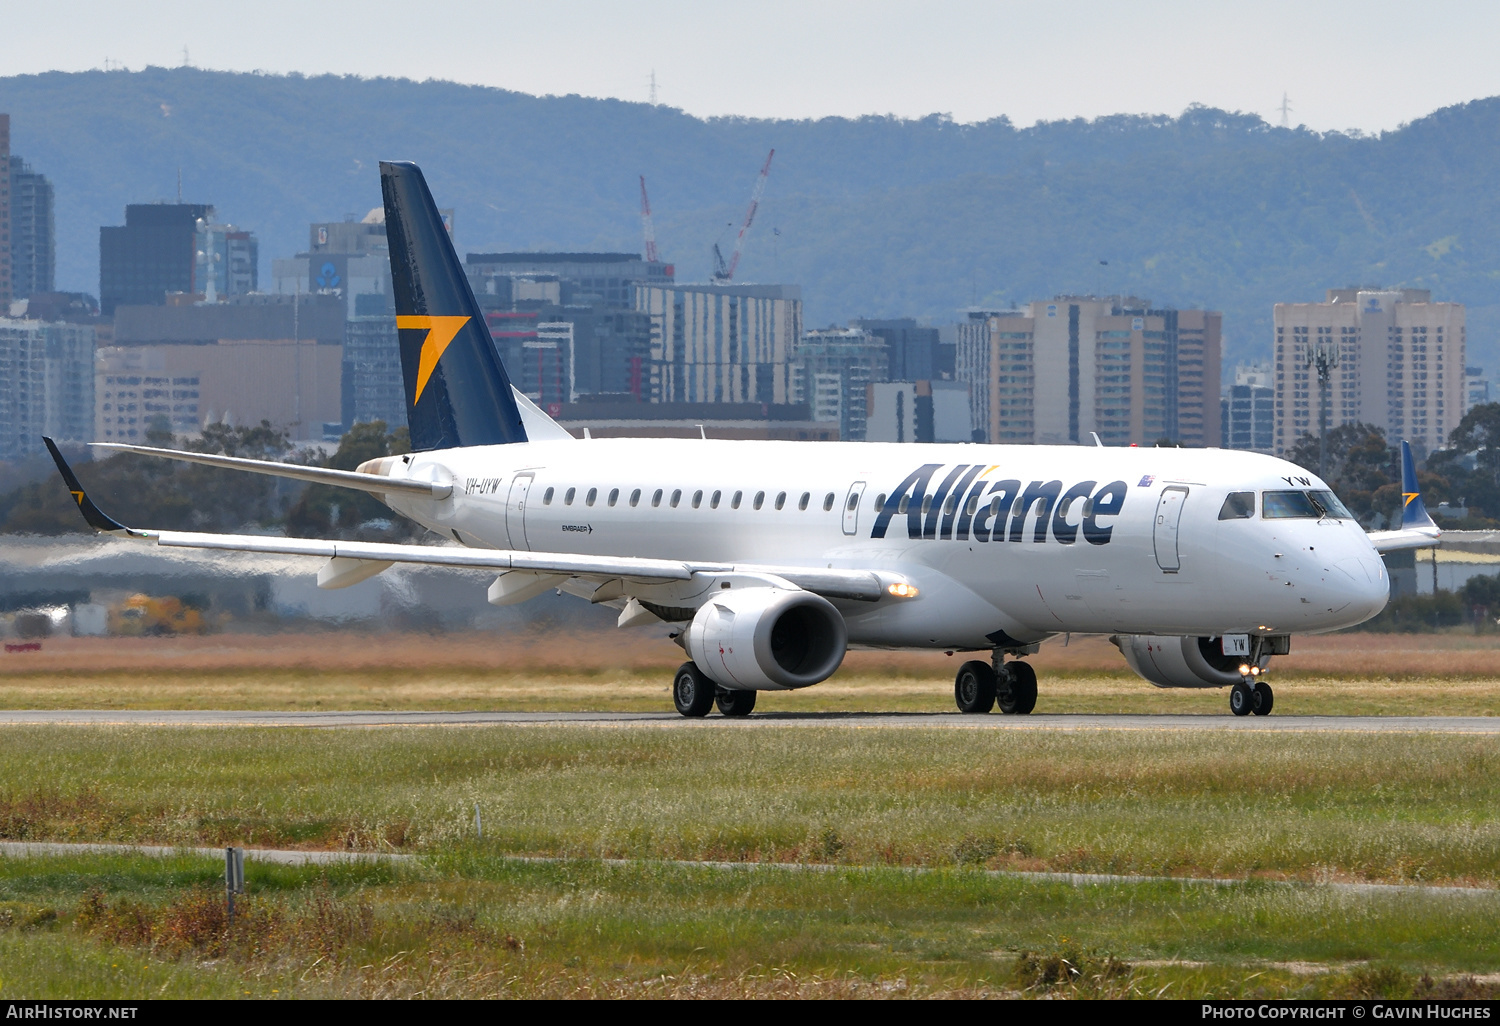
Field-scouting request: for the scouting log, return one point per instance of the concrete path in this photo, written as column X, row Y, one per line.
column 994, row 721
column 45, row 849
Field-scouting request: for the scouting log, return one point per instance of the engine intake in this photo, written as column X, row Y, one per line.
column 1184, row 662
column 767, row 639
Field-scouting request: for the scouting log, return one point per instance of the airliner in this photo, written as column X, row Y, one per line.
column 767, row 560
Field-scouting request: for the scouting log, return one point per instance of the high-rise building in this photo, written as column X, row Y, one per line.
column 1058, row 372
column 722, row 343
column 153, row 253
column 5, row 268
column 586, row 278
column 48, row 369
column 1476, row 388
column 349, row 259
column 226, row 262
column 252, row 357
column 911, row 351
column 832, row 371
column 33, row 257
column 1400, row 364
column 918, row 411
column 1247, row 409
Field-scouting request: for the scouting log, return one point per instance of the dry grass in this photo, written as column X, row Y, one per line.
column 475, row 926
column 628, row 671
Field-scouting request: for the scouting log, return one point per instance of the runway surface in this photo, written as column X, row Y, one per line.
column 957, row 721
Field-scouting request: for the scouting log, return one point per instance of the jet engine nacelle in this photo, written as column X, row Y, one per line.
column 1173, row 662
column 767, row 639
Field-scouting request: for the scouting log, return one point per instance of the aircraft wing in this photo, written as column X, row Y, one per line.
column 1417, row 531
column 351, row 561
column 316, row 475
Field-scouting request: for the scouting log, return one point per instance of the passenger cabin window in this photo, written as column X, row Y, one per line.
column 951, row 505
column 853, row 503
column 1238, row 506
column 592, row 495
column 802, row 502
column 780, row 499
column 760, row 499
column 614, row 496
column 828, row 502
column 547, row 497
column 926, row 505
column 568, row 496
column 697, row 498
column 973, row 506
column 735, row 502
column 713, row 500
column 1287, row 505
column 901, row 506
column 879, row 501
column 656, row 498
column 676, row 497
column 635, row 497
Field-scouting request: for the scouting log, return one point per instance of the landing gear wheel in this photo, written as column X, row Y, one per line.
column 734, row 703
column 974, row 687
column 1264, row 698
column 1241, row 699
column 692, row 691
column 1018, row 697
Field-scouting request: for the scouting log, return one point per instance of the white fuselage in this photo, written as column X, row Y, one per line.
column 1150, row 557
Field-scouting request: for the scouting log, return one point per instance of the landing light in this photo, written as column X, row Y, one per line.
column 1244, row 669
column 902, row 590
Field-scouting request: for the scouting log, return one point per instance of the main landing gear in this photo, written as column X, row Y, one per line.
column 694, row 694
column 1254, row 696
column 979, row 687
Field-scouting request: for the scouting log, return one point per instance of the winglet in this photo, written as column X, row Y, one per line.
column 1413, row 512
column 95, row 517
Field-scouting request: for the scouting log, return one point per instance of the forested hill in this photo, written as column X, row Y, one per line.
column 874, row 216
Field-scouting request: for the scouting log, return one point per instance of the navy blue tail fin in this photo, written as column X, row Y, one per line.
column 1413, row 511
column 457, row 391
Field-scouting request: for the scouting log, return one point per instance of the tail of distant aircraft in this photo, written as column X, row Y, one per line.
column 1413, row 512
column 457, row 391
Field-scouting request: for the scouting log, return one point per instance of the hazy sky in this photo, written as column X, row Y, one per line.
column 1368, row 65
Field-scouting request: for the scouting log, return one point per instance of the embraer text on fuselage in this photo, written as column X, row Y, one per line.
column 968, row 502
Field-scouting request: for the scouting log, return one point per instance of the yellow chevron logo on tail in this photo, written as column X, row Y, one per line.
column 1406, row 498
column 440, row 332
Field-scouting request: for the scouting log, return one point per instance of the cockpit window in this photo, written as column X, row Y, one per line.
column 1331, row 503
column 1288, row 505
column 1238, row 506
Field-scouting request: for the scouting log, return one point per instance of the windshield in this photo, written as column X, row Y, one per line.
column 1331, row 503
column 1291, row 505
column 1287, row 506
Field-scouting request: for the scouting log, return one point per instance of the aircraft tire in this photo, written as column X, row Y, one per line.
column 974, row 687
column 1264, row 699
column 1020, row 697
column 692, row 692
column 1241, row 699
column 734, row 703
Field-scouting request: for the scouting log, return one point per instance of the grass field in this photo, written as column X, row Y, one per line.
column 908, row 819
column 1364, row 674
column 470, row 924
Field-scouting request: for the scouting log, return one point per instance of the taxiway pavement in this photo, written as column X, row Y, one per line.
column 954, row 720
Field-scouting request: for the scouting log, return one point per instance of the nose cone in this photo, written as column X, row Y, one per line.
column 1368, row 587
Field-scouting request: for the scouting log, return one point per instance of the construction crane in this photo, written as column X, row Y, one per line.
column 647, row 225
column 725, row 272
